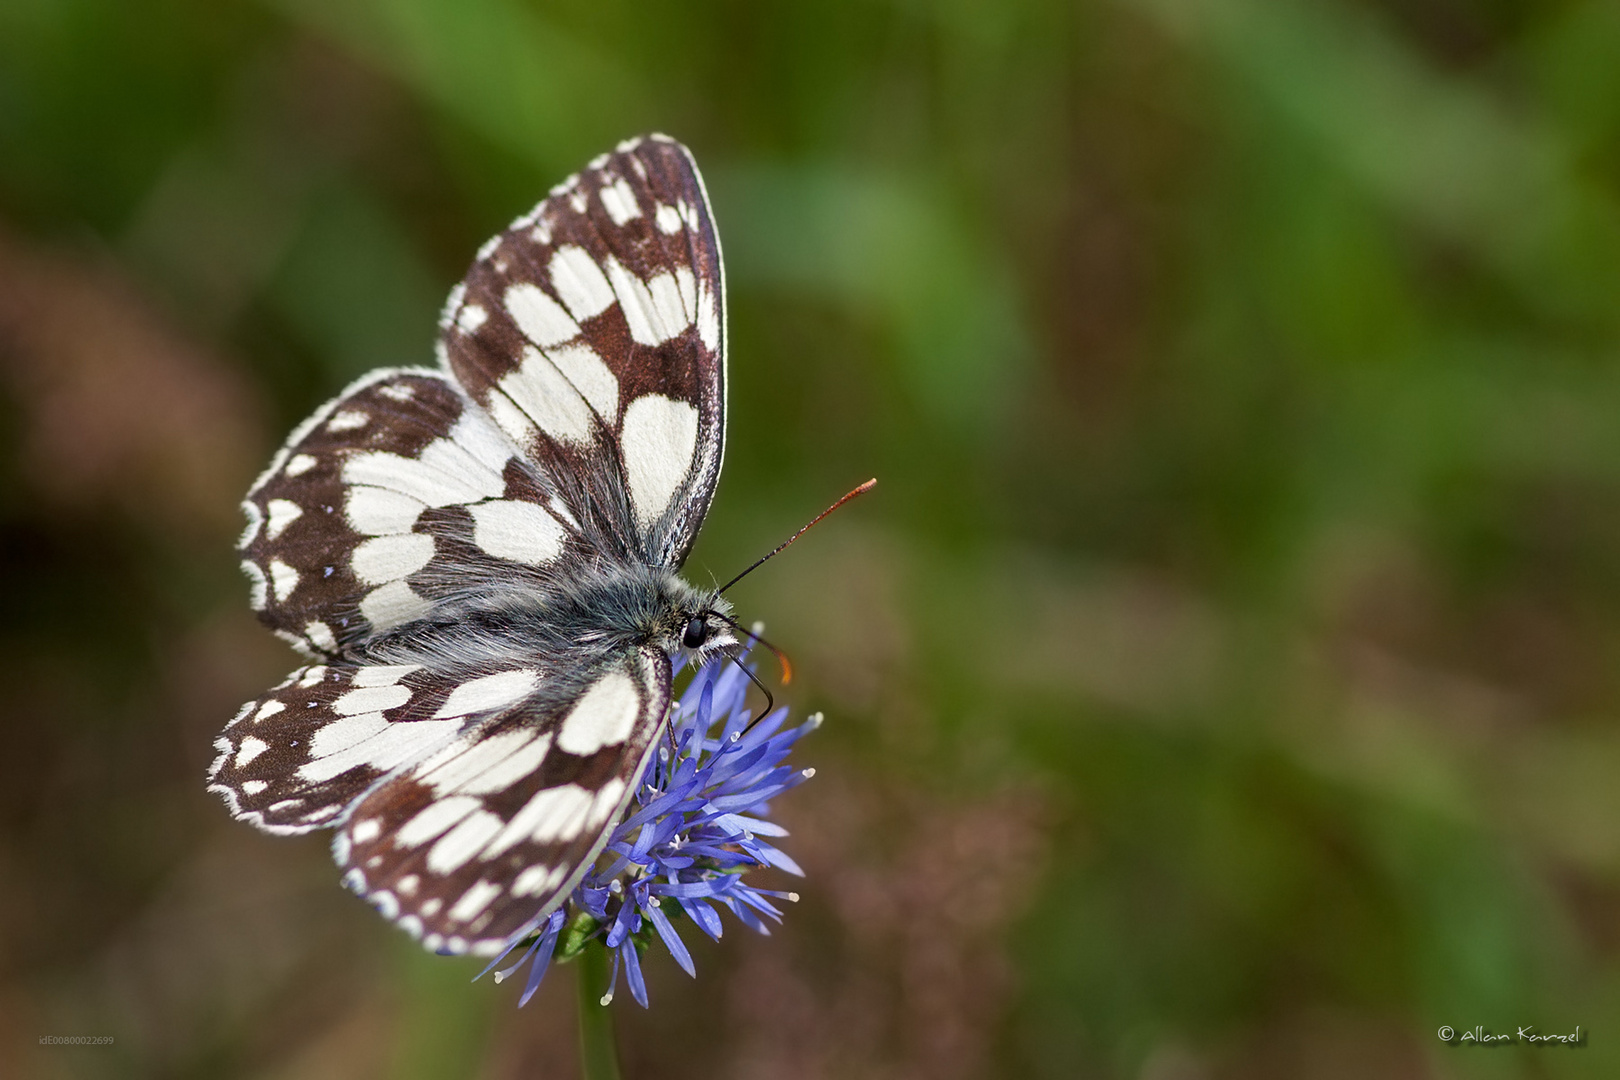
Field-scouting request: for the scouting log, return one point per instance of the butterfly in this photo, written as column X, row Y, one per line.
column 480, row 562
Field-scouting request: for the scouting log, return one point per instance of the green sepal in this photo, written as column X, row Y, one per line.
column 575, row 937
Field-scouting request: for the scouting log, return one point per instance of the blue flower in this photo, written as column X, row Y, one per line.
column 692, row 832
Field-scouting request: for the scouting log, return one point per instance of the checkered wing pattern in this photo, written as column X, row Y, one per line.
column 395, row 494
column 592, row 331
column 469, row 845
column 463, row 807
column 474, row 765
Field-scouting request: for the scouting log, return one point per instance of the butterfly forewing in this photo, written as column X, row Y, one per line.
column 468, row 845
column 592, row 332
column 398, row 489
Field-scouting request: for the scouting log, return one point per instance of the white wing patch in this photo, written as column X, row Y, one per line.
column 433, row 820
column 535, row 880
column 365, row 699
column 547, row 397
column 656, row 310
column 255, row 519
column 390, row 558
column 476, row 437
column 283, row 513
column 258, row 585
column 619, row 201
column 591, row 377
column 250, row 749
column 708, row 317
column 268, row 709
column 382, row 674
column 511, row 419
column 659, row 440
column 463, row 467
column 320, row 635
column 474, row 900
column 490, row 693
column 603, row 717
column 393, row 605
column 555, row 813
column 489, row 766
column 370, row 739
column 542, row 319
column 442, row 475
column 283, row 579
column 463, row 842
column 519, row 531
column 347, row 420
column 375, row 511
column 580, row 282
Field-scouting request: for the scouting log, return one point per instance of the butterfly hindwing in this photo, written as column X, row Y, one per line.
column 398, row 487
column 468, row 845
column 296, row 758
column 592, row 330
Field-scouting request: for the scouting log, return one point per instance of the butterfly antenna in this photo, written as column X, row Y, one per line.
column 862, row 490
column 770, row 702
column 754, row 638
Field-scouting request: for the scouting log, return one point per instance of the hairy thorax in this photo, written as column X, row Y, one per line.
column 575, row 624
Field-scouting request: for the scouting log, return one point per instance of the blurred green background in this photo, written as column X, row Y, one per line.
column 1221, row 682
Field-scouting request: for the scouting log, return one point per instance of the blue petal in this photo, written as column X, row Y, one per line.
column 705, row 705
column 674, row 862
column 748, row 918
column 542, row 959
column 780, row 860
column 681, row 890
column 729, row 803
column 766, row 728
column 632, row 973
column 644, row 843
column 672, row 940
column 752, row 897
column 706, row 918
column 740, row 827
column 625, row 923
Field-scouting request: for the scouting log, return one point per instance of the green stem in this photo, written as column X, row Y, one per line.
column 598, row 1058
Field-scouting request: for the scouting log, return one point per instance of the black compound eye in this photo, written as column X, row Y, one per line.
column 697, row 632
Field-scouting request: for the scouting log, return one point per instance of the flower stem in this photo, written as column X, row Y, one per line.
column 598, row 1058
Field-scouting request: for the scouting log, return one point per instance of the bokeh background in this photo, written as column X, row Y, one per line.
column 1221, row 682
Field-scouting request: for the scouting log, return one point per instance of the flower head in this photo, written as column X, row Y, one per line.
column 694, row 829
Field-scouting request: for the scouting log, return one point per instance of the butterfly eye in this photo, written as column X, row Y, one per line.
column 697, row 632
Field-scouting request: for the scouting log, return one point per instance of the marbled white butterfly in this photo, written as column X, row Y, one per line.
column 480, row 561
